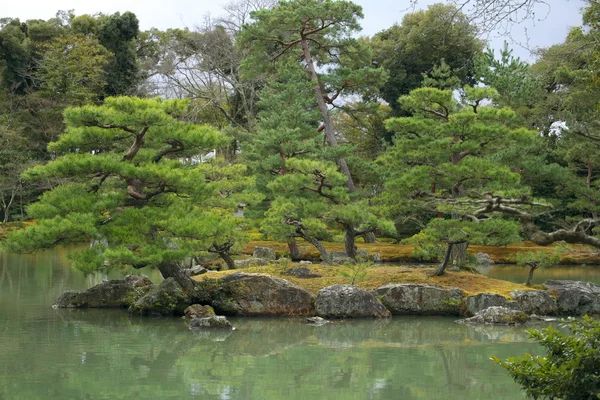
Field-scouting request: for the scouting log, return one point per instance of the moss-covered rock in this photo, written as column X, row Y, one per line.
column 108, row 294
column 213, row 322
column 168, row 298
column 420, row 299
column 346, row 301
column 497, row 316
column 537, row 302
column 254, row 294
column 198, row 311
column 481, row 301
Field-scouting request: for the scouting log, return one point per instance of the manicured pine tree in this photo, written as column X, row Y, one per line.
column 127, row 191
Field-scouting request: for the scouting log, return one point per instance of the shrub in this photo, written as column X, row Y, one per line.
column 569, row 370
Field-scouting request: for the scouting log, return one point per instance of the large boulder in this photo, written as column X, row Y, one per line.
column 213, row 322
column 575, row 297
column 497, row 315
column 266, row 253
column 481, row 301
column 537, row 302
column 255, row 294
column 168, row 298
column 107, row 294
column 346, row 301
column 420, row 299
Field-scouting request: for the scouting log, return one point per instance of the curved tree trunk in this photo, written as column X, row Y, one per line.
column 319, row 246
column 442, row 268
column 294, row 250
column 350, row 242
column 228, row 259
column 172, row 270
column 328, row 124
column 532, row 268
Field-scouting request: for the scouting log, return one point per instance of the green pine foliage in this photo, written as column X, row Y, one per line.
column 129, row 191
column 570, row 368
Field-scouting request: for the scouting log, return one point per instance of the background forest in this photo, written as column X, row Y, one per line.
column 145, row 143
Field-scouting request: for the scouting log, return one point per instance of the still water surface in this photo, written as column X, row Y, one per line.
column 100, row 354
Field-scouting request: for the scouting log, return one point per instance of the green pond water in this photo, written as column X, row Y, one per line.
column 106, row 354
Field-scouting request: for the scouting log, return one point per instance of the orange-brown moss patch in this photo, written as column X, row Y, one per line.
column 382, row 275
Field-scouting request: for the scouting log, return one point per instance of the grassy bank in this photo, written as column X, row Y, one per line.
column 381, row 275
column 403, row 253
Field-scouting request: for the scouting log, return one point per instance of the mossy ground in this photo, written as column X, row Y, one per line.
column 403, row 253
column 381, row 275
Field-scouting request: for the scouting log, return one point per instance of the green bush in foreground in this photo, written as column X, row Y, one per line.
column 571, row 368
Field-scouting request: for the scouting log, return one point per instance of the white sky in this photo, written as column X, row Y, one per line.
column 550, row 27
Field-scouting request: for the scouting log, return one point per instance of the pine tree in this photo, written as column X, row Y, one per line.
column 128, row 192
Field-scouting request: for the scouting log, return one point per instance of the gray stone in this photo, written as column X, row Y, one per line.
column 364, row 255
column 537, row 302
column 420, row 299
column 305, row 262
column 346, row 301
column 107, row 294
column 316, row 321
column 251, row 262
column 575, row 297
column 214, row 322
column 339, row 258
column 255, row 294
column 484, row 260
column 497, row 315
column 198, row 311
column 481, row 301
column 265, row 253
column 301, row 272
column 168, row 298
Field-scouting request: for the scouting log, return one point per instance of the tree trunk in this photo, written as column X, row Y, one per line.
column 294, row 250
column 442, row 269
column 328, row 124
column 172, row 270
column 459, row 256
column 349, row 242
column 319, row 246
column 228, row 259
column 530, row 277
column 370, row 237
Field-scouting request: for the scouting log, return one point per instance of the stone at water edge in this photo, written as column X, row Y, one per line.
column 537, row 302
column 346, row 301
column 214, row 322
column 420, row 299
column 198, row 311
column 575, row 297
column 484, row 260
column 481, row 301
column 316, row 321
column 255, row 294
column 496, row 315
column 168, row 298
column 266, row 253
column 108, row 294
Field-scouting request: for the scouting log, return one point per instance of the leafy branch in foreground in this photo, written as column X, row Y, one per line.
column 569, row 370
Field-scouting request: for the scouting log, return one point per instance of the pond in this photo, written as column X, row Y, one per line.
column 106, row 354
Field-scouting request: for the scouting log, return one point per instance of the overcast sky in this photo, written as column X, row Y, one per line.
column 549, row 27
